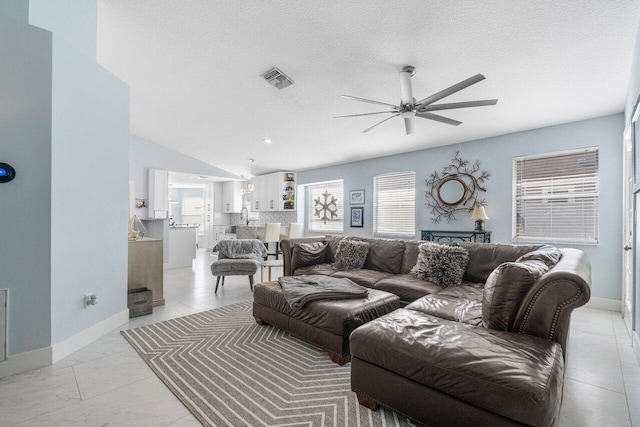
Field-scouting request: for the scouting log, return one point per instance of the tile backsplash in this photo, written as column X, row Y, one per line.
column 283, row 217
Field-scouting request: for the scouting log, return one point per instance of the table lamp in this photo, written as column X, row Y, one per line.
column 479, row 215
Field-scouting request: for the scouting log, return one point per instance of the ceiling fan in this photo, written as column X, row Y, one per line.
column 409, row 108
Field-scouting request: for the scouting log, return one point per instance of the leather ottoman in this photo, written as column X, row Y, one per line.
column 326, row 323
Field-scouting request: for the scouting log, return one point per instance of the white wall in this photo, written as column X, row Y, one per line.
column 495, row 155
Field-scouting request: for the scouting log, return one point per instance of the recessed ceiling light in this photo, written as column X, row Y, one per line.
column 267, row 141
column 252, row 160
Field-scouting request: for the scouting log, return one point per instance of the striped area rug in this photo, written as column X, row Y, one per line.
column 229, row 371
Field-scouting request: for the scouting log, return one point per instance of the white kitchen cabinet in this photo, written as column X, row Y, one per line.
column 158, row 193
column 209, row 215
column 273, row 192
column 219, row 233
column 232, row 196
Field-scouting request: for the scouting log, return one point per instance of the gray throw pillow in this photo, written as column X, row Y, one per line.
column 351, row 254
column 305, row 254
column 443, row 265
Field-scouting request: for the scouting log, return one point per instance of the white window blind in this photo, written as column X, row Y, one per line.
column 555, row 197
column 394, row 204
column 319, row 205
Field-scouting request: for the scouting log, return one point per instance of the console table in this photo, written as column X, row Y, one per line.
column 455, row 236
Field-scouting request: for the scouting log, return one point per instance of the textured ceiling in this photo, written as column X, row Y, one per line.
column 194, row 69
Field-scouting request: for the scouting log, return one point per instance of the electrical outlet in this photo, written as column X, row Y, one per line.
column 90, row 299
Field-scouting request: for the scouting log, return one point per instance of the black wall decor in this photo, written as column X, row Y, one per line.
column 7, row 173
column 455, row 189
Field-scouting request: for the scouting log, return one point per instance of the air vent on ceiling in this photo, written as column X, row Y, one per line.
column 277, row 78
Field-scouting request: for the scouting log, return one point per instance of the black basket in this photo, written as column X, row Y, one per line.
column 139, row 302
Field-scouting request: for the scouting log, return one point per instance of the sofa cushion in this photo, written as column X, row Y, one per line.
column 410, row 258
column 363, row 277
column 504, row 291
column 441, row 264
column 485, row 257
column 326, row 269
column 464, row 306
column 332, row 247
column 385, row 255
column 304, row 254
column 351, row 254
column 514, row 375
column 549, row 255
column 407, row 287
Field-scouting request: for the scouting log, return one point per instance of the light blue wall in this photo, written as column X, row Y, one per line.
column 25, row 143
column 75, row 21
column 495, row 155
column 90, row 191
column 18, row 10
column 145, row 155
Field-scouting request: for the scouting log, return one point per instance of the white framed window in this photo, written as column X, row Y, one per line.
column 394, row 204
column 325, row 207
column 555, row 197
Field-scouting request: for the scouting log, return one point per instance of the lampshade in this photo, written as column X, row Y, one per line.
column 479, row 213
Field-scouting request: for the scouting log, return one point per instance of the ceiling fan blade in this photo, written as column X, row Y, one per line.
column 365, row 114
column 451, row 90
column 379, row 123
column 405, row 87
column 453, row 105
column 438, row 118
column 370, row 101
column 408, row 125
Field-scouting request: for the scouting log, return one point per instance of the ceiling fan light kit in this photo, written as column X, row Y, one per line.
column 409, row 108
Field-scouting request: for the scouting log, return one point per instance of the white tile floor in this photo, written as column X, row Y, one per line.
column 106, row 383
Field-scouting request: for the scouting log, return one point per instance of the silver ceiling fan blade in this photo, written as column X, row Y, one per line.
column 408, row 125
column 366, row 114
column 453, row 105
column 379, row 123
column 370, row 101
column 438, row 118
column 451, row 90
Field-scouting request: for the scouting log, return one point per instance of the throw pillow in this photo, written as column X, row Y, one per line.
column 351, row 254
column 547, row 254
column 443, row 265
column 305, row 254
column 505, row 289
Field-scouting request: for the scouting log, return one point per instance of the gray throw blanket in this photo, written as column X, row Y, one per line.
column 241, row 249
column 299, row 290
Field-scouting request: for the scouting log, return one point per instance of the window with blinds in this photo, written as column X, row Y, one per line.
column 555, row 197
column 394, row 204
column 325, row 207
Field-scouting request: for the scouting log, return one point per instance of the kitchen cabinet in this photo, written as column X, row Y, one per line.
column 158, row 193
column 214, row 218
column 232, row 197
column 274, row 192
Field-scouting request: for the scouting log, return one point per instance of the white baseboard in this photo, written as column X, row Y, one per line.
column 22, row 362
column 87, row 336
column 605, row 304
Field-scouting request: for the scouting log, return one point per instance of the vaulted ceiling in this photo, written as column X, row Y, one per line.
column 194, row 68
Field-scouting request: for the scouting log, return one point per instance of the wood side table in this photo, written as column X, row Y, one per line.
column 269, row 265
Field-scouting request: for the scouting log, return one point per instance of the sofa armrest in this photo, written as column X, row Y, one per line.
column 286, row 245
column 546, row 308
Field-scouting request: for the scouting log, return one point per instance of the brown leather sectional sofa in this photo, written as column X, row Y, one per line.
column 468, row 354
